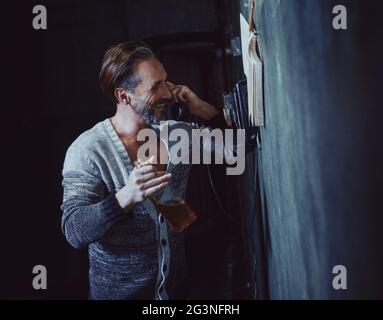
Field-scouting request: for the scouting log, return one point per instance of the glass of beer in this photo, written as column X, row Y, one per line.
column 174, row 209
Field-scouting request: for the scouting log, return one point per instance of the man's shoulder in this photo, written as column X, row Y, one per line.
column 91, row 137
column 89, row 142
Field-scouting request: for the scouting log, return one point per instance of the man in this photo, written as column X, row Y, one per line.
column 133, row 254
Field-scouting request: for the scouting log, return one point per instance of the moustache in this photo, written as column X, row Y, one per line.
column 161, row 104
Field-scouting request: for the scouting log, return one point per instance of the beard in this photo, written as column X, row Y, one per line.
column 147, row 112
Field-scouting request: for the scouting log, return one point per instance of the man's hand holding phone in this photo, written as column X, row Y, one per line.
column 196, row 106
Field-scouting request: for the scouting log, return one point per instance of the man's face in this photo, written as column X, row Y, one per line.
column 152, row 93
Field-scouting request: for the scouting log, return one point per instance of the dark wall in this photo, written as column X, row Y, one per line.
column 321, row 158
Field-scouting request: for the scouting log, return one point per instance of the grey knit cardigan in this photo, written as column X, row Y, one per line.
column 132, row 255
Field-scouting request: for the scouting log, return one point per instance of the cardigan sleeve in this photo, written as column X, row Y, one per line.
column 88, row 210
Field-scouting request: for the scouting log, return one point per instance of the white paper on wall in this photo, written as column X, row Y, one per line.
column 253, row 69
column 245, row 36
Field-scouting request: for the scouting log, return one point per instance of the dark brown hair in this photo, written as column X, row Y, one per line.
column 117, row 66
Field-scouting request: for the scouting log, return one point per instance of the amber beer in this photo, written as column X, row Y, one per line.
column 173, row 208
column 177, row 213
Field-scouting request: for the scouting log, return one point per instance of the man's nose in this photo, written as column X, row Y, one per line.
column 166, row 93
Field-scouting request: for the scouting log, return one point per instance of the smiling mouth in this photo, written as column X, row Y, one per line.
column 159, row 105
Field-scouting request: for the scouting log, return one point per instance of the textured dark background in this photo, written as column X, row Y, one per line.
column 321, row 156
column 315, row 201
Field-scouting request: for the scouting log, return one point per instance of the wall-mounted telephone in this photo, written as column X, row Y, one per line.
column 237, row 115
column 236, row 107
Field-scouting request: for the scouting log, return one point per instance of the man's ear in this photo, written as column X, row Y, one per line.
column 122, row 96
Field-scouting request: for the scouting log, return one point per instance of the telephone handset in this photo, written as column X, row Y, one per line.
column 177, row 111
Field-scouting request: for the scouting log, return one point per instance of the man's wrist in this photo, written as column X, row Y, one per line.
column 205, row 111
column 213, row 111
column 125, row 203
